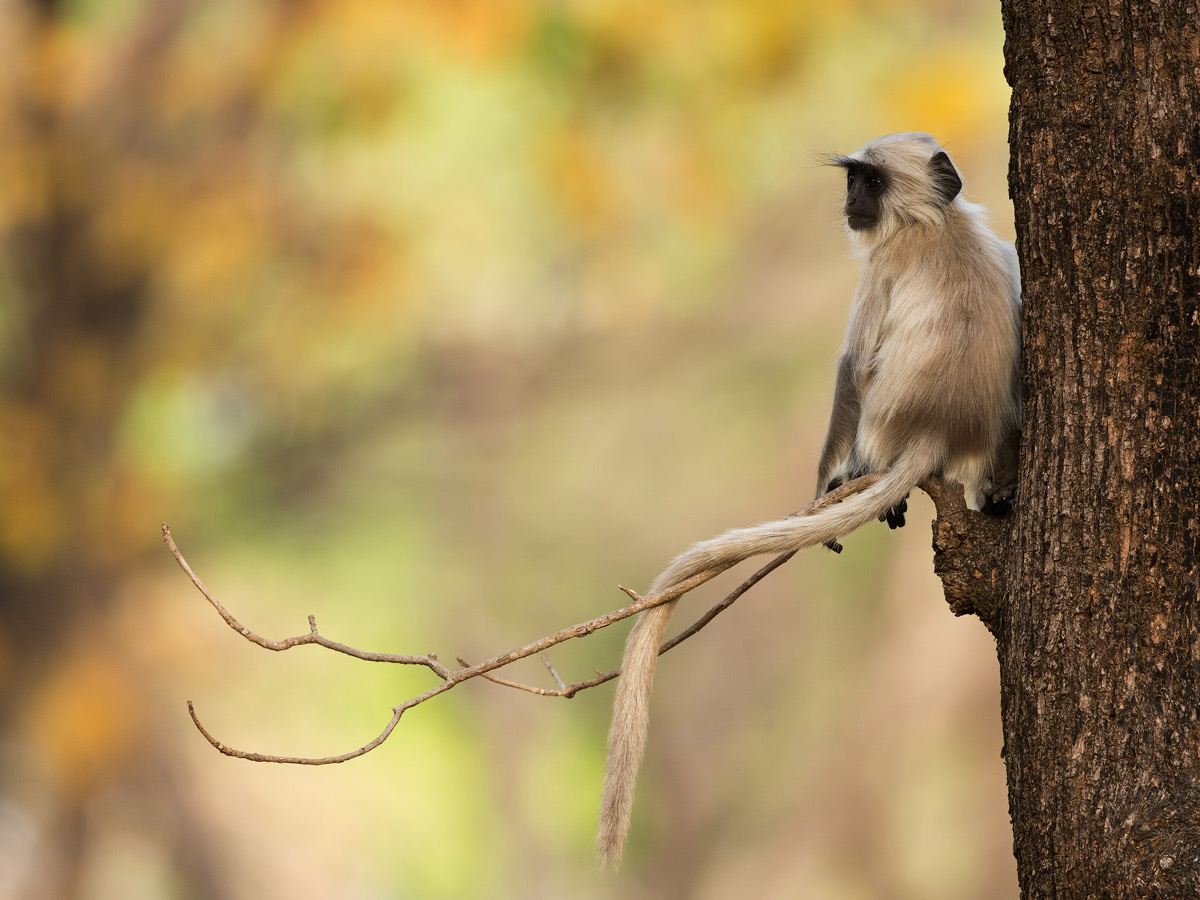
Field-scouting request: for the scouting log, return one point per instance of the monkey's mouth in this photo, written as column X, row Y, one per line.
column 860, row 223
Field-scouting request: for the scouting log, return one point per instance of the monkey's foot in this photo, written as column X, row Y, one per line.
column 895, row 516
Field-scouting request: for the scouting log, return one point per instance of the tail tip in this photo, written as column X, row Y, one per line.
column 608, row 851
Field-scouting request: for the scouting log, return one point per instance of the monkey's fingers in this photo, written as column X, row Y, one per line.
column 895, row 516
column 833, row 545
column 997, row 507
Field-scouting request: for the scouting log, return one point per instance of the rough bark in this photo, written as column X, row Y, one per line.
column 1098, row 627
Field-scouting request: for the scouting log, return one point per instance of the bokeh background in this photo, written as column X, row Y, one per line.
column 438, row 319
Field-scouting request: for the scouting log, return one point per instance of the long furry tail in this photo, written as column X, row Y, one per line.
column 631, row 705
column 627, row 734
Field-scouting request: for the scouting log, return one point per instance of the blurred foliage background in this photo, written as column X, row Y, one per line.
column 437, row 319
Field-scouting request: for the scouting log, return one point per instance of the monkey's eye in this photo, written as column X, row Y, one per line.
column 849, row 180
column 874, row 184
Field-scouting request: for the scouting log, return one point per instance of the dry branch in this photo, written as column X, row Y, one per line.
column 452, row 677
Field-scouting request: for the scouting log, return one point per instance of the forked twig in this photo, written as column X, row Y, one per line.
column 452, row 677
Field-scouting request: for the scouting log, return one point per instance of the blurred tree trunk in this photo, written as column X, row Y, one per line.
column 1098, row 632
column 74, row 324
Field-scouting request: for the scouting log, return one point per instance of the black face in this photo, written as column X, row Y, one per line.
column 865, row 187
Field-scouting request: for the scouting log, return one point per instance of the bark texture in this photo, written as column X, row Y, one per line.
column 970, row 552
column 1098, row 632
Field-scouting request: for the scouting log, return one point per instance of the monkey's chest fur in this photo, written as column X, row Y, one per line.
column 931, row 348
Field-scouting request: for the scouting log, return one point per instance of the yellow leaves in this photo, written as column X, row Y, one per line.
column 759, row 39
column 728, row 43
column 29, row 513
column 82, row 384
column 217, row 240
column 363, row 269
column 84, row 718
column 359, row 49
column 700, row 188
column 953, row 93
column 52, row 52
column 24, row 178
column 578, row 179
column 668, row 173
column 483, row 30
column 57, row 64
column 192, row 85
column 127, row 231
column 629, row 27
column 60, row 493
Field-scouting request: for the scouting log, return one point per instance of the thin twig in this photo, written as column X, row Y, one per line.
column 299, row 760
column 429, row 660
column 553, row 672
column 541, row 692
column 451, row 678
column 729, row 600
column 570, row 690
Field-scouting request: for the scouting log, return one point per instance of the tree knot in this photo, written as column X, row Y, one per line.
column 969, row 553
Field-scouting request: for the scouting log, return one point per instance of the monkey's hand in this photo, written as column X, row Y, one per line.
column 1002, row 489
column 1000, row 494
column 996, row 507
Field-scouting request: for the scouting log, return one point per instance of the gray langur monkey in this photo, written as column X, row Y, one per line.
column 927, row 383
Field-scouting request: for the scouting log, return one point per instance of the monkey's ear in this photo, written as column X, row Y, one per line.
column 945, row 177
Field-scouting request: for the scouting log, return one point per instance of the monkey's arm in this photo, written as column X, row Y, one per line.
column 843, row 426
column 843, row 423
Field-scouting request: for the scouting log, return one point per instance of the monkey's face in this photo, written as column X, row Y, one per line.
column 895, row 181
column 866, row 186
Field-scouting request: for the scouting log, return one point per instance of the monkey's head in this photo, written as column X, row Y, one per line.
column 895, row 180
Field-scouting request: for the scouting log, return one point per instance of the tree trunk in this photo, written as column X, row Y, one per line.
column 1098, row 626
